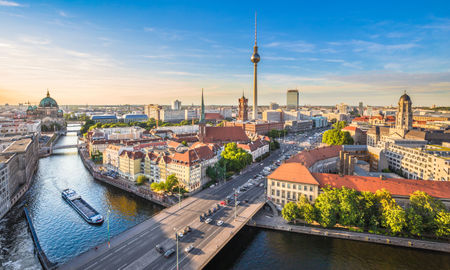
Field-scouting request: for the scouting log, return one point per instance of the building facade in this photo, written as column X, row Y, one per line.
column 292, row 99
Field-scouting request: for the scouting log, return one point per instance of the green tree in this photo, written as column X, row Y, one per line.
column 307, row 211
column 422, row 212
column 236, row 158
column 393, row 217
column 336, row 136
column 442, row 221
column 327, row 207
column 349, row 208
column 184, row 143
column 370, row 209
column 290, row 212
column 141, row 179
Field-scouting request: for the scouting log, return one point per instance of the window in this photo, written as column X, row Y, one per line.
column 278, row 184
column 310, row 188
column 273, row 183
column 305, row 188
column 273, row 192
column 283, row 185
column 294, row 186
column 288, row 194
column 310, row 197
column 278, row 193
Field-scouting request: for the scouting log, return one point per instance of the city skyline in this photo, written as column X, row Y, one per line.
column 158, row 52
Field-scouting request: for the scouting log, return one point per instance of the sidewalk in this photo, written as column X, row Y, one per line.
column 263, row 220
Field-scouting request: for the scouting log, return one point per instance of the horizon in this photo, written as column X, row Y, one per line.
column 116, row 52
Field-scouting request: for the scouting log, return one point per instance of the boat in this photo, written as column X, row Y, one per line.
column 86, row 211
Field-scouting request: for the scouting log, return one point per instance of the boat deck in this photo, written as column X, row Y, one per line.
column 85, row 207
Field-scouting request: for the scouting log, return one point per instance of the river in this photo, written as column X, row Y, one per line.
column 64, row 234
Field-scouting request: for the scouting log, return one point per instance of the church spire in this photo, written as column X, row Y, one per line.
column 202, row 115
column 48, row 93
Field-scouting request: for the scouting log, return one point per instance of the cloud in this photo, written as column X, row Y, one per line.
column 9, row 4
column 294, row 46
column 62, row 14
column 179, row 73
column 35, row 40
column 279, row 58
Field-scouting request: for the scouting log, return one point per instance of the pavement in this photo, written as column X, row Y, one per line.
column 135, row 248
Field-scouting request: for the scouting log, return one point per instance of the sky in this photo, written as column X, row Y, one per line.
column 143, row 52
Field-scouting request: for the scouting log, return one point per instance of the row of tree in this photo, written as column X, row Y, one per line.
column 374, row 212
column 170, row 185
column 336, row 136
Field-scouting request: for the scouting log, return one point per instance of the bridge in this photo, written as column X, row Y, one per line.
column 135, row 248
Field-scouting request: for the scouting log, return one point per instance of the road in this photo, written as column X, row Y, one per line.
column 135, row 248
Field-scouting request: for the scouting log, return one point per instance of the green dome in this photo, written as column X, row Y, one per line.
column 48, row 102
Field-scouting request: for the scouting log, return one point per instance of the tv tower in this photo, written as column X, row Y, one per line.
column 255, row 59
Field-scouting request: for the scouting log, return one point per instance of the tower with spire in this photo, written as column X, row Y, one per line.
column 202, row 113
column 255, row 59
column 243, row 108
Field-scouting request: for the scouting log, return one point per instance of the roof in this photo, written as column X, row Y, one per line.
column 193, row 155
column 106, row 116
column 225, row 134
column 293, row 172
column 48, row 102
column 213, row 116
column 398, row 187
column 253, row 145
column 174, row 144
column 132, row 154
column 135, row 116
column 309, row 157
column 351, row 128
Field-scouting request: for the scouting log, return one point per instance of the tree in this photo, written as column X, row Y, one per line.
column 442, row 221
column 370, row 209
column 422, row 212
column 336, row 136
column 167, row 186
column 393, row 217
column 290, row 212
column 141, row 179
column 349, row 208
column 306, row 209
column 235, row 158
column 327, row 207
column 184, row 143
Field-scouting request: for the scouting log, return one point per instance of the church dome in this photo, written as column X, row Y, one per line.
column 48, row 102
column 404, row 98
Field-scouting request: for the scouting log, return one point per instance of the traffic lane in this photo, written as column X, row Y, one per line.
column 227, row 221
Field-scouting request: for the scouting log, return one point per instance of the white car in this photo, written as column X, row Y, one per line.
column 219, row 223
column 189, row 248
column 208, row 220
column 180, row 235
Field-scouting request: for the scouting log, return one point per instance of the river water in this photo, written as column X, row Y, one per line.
column 63, row 234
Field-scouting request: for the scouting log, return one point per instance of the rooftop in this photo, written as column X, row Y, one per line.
column 293, row 172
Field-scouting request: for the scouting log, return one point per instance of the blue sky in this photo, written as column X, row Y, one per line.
column 117, row 52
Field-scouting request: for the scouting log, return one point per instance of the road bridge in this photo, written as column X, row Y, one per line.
column 135, row 248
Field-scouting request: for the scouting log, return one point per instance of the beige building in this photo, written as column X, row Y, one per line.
column 289, row 182
column 111, row 155
column 419, row 162
column 130, row 164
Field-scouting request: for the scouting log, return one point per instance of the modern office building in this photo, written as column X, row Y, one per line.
column 176, row 105
column 292, row 99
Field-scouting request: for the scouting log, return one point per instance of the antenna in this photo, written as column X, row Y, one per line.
column 255, row 28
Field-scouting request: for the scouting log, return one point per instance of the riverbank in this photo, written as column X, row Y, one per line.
column 122, row 183
column 265, row 220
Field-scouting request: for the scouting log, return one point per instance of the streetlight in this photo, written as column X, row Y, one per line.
column 107, row 225
column 235, row 202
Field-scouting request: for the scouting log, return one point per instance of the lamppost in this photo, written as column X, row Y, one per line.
column 235, row 203
column 107, row 226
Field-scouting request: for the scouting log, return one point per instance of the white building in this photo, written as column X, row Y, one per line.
column 176, row 105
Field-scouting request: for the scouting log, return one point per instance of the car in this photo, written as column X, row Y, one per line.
column 238, row 202
column 159, row 248
column 218, row 206
column 219, row 223
column 208, row 220
column 187, row 229
column 169, row 253
column 189, row 248
column 180, row 235
column 261, row 185
column 212, row 186
column 245, row 201
column 201, row 218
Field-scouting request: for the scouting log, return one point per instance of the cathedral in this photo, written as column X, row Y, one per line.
column 49, row 113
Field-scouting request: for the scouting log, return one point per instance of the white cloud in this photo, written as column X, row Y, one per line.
column 294, row 46
column 62, row 14
column 35, row 40
column 9, row 4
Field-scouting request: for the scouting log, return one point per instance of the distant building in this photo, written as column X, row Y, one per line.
column 273, row 106
column 342, row 108
column 152, row 111
column 359, row 136
column 292, row 99
column 272, row 116
column 258, row 127
column 361, row 108
column 106, row 118
column 48, row 112
column 176, row 105
column 243, row 109
column 135, row 118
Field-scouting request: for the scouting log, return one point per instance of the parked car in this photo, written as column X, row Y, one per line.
column 187, row 229
column 159, row 248
column 245, row 201
column 208, row 220
column 180, row 235
column 169, row 253
column 219, row 223
column 189, row 248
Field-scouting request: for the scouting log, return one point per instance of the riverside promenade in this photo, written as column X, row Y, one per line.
column 123, row 184
column 264, row 219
